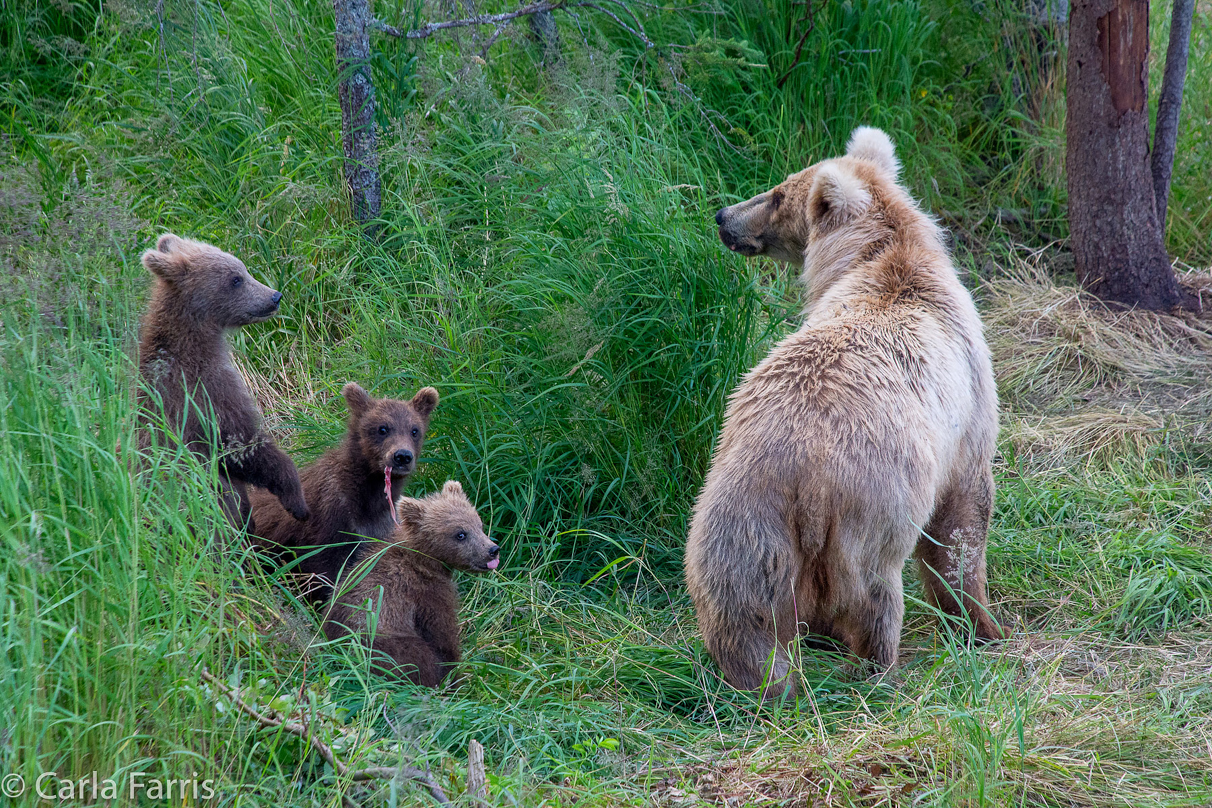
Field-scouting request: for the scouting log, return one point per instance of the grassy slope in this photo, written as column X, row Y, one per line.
column 548, row 262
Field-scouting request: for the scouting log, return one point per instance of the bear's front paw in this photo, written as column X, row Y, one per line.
column 296, row 505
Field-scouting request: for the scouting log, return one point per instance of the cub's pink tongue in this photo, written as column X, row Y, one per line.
column 391, row 501
column 492, row 565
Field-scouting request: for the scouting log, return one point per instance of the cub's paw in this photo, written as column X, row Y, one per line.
column 296, row 505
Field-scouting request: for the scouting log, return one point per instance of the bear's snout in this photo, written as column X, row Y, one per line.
column 719, row 216
column 402, row 458
column 277, row 298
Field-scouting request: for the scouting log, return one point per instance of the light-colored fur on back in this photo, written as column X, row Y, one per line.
column 873, row 422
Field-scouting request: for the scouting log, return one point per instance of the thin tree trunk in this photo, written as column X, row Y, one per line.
column 357, row 96
column 1117, row 243
column 543, row 27
column 1165, row 133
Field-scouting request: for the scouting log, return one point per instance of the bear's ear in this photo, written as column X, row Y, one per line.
column 874, row 146
column 357, row 399
column 409, row 511
column 167, row 243
column 837, row 195
column 425, row 401
column 165, row 265
column 453, row 487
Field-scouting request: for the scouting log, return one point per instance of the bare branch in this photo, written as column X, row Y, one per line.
column 810, row 18
column 275, row 721
column 503, row 19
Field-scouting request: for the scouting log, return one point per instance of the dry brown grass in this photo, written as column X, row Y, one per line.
column 1080, row 382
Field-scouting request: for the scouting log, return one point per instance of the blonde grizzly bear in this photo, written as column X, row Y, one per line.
column 863, row 438
column 199, row 293
column 406, row 583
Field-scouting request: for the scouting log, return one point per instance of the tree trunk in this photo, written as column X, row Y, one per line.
column 543, row 28
column 357, row 96
column 1117, row 243
column 1165, row 133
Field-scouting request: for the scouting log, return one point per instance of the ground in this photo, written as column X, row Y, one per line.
column 548, row 261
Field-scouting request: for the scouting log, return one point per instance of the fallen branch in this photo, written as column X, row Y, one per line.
column 274, row 721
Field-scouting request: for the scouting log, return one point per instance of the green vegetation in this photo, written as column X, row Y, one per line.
column 547, row 260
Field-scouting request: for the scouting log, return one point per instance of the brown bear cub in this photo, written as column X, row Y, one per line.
column 865, row 437
column 186, row 367
column 351, row 489
column 407, row 584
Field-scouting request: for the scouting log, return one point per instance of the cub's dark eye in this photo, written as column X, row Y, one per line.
column 460, row 536
column 383, row 430
column 415, row 432
column 236, row 282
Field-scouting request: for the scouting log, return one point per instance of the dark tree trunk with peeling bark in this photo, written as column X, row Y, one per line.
column 547, row 35
column 1116, row 237
column 1165, row 133
column 357, row 96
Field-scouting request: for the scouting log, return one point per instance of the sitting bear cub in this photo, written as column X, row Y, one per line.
column 351, row 489
column 864, row 438
column 408, row 583
column 199, row 293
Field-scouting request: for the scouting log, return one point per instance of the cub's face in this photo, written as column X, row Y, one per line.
column 782, row 222
column 447, row 527
column 213, row 285
column 389, row 432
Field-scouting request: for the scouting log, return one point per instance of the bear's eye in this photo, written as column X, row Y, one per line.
column 383, row 430
column 460, row 536
column 415, row 431
column 236, row 281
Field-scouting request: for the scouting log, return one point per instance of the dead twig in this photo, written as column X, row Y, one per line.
column 272, row 720
column 810, row 18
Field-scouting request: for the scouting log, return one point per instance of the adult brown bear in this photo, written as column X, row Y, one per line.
column 863, row 438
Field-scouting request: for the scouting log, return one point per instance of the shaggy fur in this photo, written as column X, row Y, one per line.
column 407, row 584
column 199, row 292
column 347, row 488
column 874, row 421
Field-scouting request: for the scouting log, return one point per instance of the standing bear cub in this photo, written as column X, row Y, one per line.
column 407, row 584
column 186, row 367
column 864, row 437
column 352, row 488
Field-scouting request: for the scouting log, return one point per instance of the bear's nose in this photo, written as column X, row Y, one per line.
column 719, row 217
column 494, row 551
column 277, row 297
column 402, row 457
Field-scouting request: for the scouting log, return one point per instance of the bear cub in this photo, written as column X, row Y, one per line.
column 186, row 366
column 408, row 584
column 352, row 488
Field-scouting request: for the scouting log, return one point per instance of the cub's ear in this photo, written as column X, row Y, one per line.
column 873, row 145
column 167, row 243
column 164, row 265
column 357, row 399
column 425, row 401
column 837, row 195
column 453, row 487
column 409, row 511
